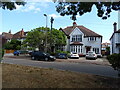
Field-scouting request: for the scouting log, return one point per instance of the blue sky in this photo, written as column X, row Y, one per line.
column 31, row 16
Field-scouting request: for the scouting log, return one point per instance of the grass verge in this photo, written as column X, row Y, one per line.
column 18, row 76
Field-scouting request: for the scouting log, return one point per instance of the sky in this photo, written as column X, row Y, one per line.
column 31, row 16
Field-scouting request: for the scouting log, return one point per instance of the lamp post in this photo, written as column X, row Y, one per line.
column 46, row 34
column 51, row 20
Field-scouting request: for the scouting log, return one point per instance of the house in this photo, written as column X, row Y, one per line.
column 105, row 47
column 115, row 40
column 81, row 39
column 6, row 36
column 21, row 35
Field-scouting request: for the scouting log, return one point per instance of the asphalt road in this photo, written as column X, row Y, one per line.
column 75, row 67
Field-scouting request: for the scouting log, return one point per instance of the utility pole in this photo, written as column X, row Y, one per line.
column 51, row 20
column 46, row 34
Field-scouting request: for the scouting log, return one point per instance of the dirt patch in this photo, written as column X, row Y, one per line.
column 18, row 76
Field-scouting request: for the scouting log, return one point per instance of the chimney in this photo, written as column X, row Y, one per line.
column 74, row 24
column 115, row 26
column 22, row 32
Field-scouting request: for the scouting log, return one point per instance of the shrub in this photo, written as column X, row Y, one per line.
column 114, row 59
column 1, row 54
column 66, row 52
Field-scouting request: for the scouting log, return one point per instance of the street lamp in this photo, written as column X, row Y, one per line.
column 46, row 34
column 51, row 20
column 46, row 19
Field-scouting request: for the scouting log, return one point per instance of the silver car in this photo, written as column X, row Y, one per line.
column 91, row 55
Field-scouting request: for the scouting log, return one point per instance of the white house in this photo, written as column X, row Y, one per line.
column 81, row 39
column 115, row 40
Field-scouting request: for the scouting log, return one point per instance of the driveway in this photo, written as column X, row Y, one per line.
column 103, row 70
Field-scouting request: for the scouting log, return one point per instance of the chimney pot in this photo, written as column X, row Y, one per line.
column 74, row 24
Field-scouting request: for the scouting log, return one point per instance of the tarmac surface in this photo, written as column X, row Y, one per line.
column 96, row 67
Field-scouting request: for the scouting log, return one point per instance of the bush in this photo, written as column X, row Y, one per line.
column 66, row 52
column 1, row 54
column 114, row 59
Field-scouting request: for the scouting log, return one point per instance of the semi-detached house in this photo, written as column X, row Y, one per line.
column 81, row 39
column 115, row 40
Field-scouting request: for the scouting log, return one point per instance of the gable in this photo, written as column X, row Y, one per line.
column 76, row 31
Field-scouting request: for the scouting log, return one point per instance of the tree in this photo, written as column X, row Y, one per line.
column 13, row 45
column 74, row 8
column 36, row 38
column 58, row 39
column 11, row 4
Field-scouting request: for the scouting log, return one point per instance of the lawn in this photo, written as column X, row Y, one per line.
column 18, row 76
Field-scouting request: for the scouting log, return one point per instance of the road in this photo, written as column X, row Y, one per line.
column 75, row 67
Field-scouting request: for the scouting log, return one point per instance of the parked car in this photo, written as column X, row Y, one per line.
column 30, row 52
column 61, row 56
column 74, row 55
column 91, row 55
column 16, row 53
column 99, row 55
column 38, row 55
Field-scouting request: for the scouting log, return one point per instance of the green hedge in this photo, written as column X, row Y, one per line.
column 1, row 53
column 114, row 59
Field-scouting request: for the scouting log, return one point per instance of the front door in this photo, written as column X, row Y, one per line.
column 87, row 49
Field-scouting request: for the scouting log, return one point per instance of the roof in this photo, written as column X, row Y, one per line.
column 117, row 31
column 20, row 34
column 114, row 33
column 86, row 31
column 76, row 43
column 7, row 35
column 106, row 43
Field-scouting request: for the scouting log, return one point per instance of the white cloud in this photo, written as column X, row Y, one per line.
column 55, row 16
column 29, row 7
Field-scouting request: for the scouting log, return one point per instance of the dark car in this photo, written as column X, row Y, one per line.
column 61, row 56
column 38, row 55
column 16, row 53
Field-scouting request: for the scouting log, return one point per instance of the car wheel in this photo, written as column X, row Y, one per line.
column 33, row 58
column 46, row 59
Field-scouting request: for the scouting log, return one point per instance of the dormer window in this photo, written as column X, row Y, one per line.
column 77, row 38
column 91, row 38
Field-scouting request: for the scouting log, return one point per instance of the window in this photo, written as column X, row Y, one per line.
column 77, row 38
column 76, row 49
column 91, row 38
column 96, row 50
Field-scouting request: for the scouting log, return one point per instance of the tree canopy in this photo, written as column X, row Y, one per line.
column 36, row 38
column 13, row 45
column 80, row 8
column 11, row 4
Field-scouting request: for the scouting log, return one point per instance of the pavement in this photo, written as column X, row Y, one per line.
column 74, row 65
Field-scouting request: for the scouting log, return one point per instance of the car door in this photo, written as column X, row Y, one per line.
column 41, row 56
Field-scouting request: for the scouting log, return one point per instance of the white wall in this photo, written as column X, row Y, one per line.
column 93, row 44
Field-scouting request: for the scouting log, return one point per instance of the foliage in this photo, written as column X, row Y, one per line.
column 107, row 51
column 36, row 38
column 58, row 37
column 114, row 59
column 13, row 45
column 10, row 4
column 1, row 53
column 66, row 52
column 74, row 8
